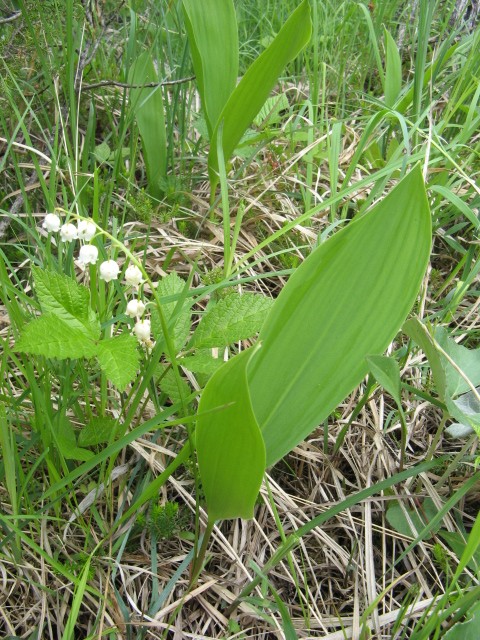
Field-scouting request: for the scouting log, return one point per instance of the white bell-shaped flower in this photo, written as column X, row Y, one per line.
column 68, row 232
column 135, row 308
column 133, row 275
column 88, row 254
column 86, row 229
column 142, row 330
column 109, row 270
column 51, row 223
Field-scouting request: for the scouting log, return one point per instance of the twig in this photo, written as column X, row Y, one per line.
column 16, row 206
column 124, row 85
column 11, row 18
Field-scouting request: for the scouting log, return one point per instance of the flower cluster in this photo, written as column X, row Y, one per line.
column 109, row 270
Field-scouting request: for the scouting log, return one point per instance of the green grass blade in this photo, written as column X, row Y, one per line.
column 147, row 106
column 346, row 301
column 393, row 71
column 253, row 89
column 213, row 38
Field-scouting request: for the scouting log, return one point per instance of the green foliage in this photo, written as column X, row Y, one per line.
column 147, row 108
column 202, row 362
column 176, row 389
column 456, row 372
column 119, row 359
column 61, row 296
column 235, row 317
column 410, row 522
column 69, row 328
column 213, row 37
column 253, row 89
column 468, row 630
column 178, row 319
column 52, row 337
column 98, row 430
column 164, row 521
column 230, row 449
column 393, row 71
column 229, row 110
column 345, row 302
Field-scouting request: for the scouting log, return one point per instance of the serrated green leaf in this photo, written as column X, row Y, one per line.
column 236, row 317
column 67, row 442
column 52, row 337
column 346, row 301
column 250, row 94
column 270, row 112
column 202, row 362
column 169, row 386
column 119, row 359
column 230, row 449
column 179, row 326
column 61, row 296
column 102, row 152
column 97, row 431
column 213, row 37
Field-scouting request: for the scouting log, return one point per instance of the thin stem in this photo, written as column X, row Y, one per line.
column 197, row 564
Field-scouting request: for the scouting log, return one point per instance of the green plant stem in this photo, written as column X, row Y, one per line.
column 197, row 564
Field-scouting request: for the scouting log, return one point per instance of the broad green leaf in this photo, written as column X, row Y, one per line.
column 97, row 431
column 346, row 301
column 178, row 321
column 387, row 374
column 213, row 38
column 449, row 381
column 254, row 88
column 468, row 630
column 53, row 337
column 147, row 106
column 459, row 430
column 398, row 520
column 393, row 71
column 467, row 360
column 230, row 449
column 465, row 409
column 68, row 300
column 457, row 543
column 236, row 317
column 119, row 359
column 419, row 333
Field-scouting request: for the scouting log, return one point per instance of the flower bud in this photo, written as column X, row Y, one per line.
column 109, row 270
column 51, row 222
column 142, row 330
column 88, row 254
column 135, row 309
column 133, row 275
column 68, row 232
column 86, row 229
